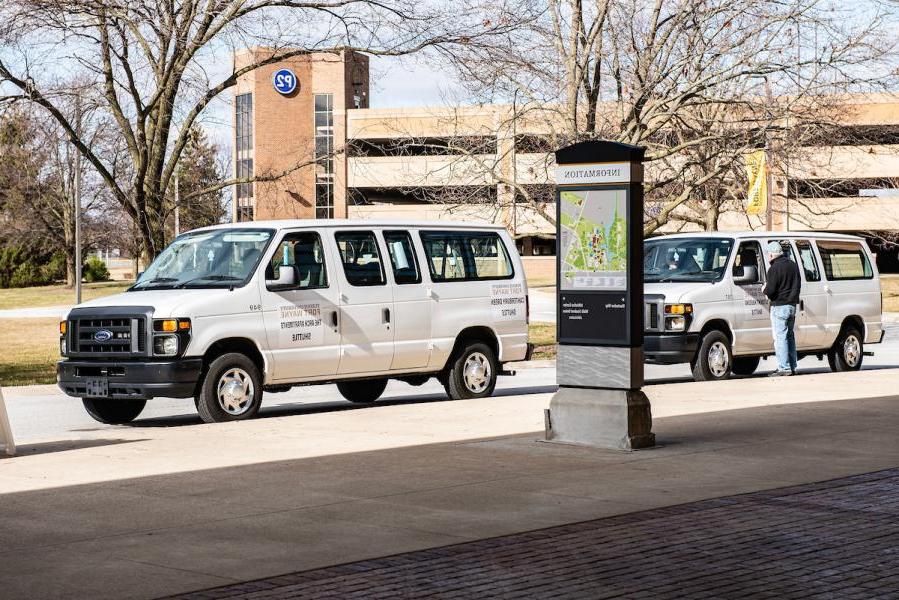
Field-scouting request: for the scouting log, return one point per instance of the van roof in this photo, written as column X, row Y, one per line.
column 739, row 235
column 294, row 223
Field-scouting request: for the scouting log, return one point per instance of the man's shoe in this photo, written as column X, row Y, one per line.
column 780, row 374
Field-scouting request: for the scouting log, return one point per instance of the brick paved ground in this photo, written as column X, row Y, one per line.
column 835, row 539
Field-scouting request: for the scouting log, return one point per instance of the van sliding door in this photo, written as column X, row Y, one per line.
column 411, row 299
column 367, row 314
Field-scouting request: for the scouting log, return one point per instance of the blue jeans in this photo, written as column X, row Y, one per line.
column 783, row 318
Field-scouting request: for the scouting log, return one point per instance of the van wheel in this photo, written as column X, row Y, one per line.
column 231, row 391
column 714, row 360
column 847, row 352
column 365, row 391
column 113, row 412
column 472, row 374
column 745, row 365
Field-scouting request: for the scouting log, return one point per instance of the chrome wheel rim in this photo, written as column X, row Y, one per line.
column 235, row 391
column 476, row 372
column 852, row 350
column 718, row 359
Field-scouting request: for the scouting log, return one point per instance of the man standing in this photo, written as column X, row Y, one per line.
column 782, row 290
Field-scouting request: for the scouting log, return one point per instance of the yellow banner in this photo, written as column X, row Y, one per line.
column 756, row 172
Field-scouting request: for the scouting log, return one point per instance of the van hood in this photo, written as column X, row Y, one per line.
column 675, row 292
column 172, row 303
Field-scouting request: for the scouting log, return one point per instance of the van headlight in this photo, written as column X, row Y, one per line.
column 676, row 323
column 165, row 345
column 678, row 309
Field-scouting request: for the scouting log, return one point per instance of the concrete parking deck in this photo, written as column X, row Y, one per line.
column 145, row 512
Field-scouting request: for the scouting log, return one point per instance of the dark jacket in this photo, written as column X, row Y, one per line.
column 783, row 282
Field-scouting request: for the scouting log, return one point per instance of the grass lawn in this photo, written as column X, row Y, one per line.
column 890, row 288
column 543, row 336
column 29, row 349
column 57, row 295
column 535, row 281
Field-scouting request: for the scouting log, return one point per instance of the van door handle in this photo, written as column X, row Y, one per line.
column 802, row 305
column 334, row 318
column 387, row 315
column 432, row 294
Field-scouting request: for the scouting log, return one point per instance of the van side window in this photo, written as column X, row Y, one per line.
column 466, row 255
column 808, row 261
column 844, row 260
column 303, row 252
column 446, row 260
column 749, row 255
column 402, row 257
column 490, row 258
column 360, row 256
column 786, row 247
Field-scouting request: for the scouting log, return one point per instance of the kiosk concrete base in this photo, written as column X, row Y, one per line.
column 616, row 419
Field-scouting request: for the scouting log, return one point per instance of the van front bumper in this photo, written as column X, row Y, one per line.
column 670, row 349
column 133, row 380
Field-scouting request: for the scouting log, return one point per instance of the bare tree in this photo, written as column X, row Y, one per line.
column 699, row 83
column 38, row 197
column 154, row 62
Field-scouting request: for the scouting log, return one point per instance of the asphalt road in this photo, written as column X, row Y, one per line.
column 40, row 413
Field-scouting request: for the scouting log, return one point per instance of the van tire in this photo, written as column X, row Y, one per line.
column 745, row 365
column 226, row 371
column 113, row 412
column 480, row 359
column 714, row 359
column 847, row 353
column 365, row 391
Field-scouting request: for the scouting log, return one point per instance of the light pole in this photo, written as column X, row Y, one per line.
column 177, row 208
column 77, row 200
column 514, row 166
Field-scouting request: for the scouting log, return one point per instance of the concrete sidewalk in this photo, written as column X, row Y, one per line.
column 59, row 312
column 144, row 512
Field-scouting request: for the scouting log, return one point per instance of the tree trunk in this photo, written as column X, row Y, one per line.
column 711, row 217
column 70, row 270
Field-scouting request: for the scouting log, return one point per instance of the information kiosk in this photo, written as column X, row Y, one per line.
column 599, row 298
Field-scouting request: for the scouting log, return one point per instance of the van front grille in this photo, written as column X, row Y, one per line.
column 108, row 336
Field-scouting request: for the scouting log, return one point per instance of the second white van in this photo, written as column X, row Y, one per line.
column 703, row 300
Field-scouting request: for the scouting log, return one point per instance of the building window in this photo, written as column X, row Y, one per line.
column 244, row 213
column 324, row 156
column 243, row 144
column 244, row 122
column 244, row 171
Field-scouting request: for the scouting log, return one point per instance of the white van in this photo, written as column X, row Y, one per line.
column 227, row 312
column 704, row 303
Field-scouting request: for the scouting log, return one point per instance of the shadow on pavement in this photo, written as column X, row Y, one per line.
column 311, row 408
column 65, row 445
column 163, row 534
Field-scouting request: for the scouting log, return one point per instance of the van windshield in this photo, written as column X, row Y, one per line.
column 685, row 259
column 212, row 258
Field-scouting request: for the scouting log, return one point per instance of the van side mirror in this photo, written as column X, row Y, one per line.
column 287, row 278
column 749, row 275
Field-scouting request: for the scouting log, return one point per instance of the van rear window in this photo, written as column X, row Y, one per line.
column 466, row 255
column 844, row 260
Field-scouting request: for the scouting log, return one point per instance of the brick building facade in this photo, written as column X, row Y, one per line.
column 287, row 141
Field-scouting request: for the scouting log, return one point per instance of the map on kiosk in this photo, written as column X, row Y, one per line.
column 593, row 240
